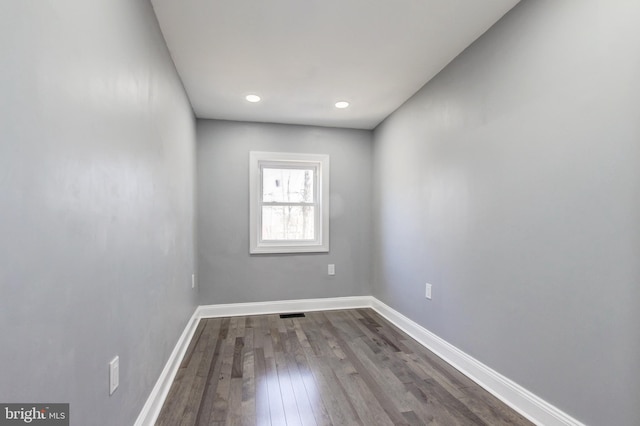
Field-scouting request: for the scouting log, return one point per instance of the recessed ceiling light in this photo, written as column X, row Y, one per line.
column 342, row 104
column 253, row 98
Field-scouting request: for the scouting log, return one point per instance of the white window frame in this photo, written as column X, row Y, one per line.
column 319, row 162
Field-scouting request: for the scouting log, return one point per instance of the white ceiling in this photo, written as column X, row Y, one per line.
column 301, row 56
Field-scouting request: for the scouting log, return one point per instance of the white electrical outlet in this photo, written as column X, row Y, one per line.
column 114, row 374
column 332, row 269
column 193, row 280
column 427, row 293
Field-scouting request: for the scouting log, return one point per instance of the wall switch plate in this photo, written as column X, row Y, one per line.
column 193, row 280
column 427, row 293
column 332, row 269
column 114, row 374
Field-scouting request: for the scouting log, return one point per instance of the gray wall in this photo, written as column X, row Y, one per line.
column 226, row 271
column 511, row 182
column 97, row 144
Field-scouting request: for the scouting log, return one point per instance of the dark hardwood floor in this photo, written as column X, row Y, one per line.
column 347, row 367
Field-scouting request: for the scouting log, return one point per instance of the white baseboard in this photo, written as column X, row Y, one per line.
column 152, row 407
column 521, row 400
column 284, row 306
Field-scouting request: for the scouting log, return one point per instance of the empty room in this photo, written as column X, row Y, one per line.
column 338, row 212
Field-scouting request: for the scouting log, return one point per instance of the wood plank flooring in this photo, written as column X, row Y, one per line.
column 348, row 367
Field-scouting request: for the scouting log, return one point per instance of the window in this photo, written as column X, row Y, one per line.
column 289, row 204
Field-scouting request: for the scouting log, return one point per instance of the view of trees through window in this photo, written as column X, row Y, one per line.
column 288, row 204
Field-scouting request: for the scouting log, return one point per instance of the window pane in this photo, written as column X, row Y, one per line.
column 287, row 185
column 287, row 223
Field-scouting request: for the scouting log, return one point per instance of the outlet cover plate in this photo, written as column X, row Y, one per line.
column 331, row 269
column 114, row 374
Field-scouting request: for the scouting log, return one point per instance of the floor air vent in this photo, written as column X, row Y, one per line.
column 300, row 315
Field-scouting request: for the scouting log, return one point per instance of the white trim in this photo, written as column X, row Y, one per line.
column 284, row 306
column 521, row 400
column 152, row 407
